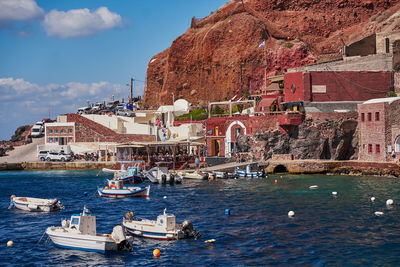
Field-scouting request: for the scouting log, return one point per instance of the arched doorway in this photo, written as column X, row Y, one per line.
column 397, row 144
column 280, row 168
column 230, row 141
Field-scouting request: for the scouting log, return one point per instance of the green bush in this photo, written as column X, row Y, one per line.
column 196, row 115
column 218, row 110
column 391, row 94
column 288, row 44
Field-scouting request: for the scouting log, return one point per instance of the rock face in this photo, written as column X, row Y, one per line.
column 232, row 50
column 329, row 139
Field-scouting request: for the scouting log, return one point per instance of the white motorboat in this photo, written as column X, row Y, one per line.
column 162, row 175
column 194, row 175
column 116, row 189
column 164, row 228
column 35, row 204
column 80, row 233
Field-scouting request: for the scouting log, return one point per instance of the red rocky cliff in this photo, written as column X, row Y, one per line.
column 223, row 55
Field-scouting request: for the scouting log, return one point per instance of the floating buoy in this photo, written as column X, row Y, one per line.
column 290, row 214
column 209, row 241
column 389, row 202
column 276, row 181
column 97, row 175
column 313, row 187
column 85, row 194
column 378, row 213
column 156, row 252
column 10, row 243
column 334, row 193
column 227, row 212
column 372, row 199
column 165, row 197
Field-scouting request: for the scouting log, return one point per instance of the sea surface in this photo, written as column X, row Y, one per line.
column 326, row 230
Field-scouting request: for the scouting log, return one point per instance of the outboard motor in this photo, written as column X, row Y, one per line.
column 206, row 176
column 171, row 179
column 119, row 237
column 188, row 229
column 163, row 179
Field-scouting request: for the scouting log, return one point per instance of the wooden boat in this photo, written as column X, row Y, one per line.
column 249, row 173
column 198, row 175
column 164, row 228
column 116, row 189
column 131, row 175
column 35, row 204
column 80, row 233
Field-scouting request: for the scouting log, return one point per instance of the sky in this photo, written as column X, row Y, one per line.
column 55, row 56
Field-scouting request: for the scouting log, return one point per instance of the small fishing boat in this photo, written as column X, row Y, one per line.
column 131, row 175
column 249, row 173
column 164, row 228
column 198, row 175
column 116, row 189
column 35, row 204
column 80, row 233
column 161, row 175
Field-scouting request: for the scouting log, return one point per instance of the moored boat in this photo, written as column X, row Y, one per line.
column 80, row 233
column 198, row 175
column 35, row 204
column 164, row 228
column 162, row 175
column 116, row 189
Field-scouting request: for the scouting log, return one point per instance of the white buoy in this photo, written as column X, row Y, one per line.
column 210, row 241
column 290, row 214
column 378, row 213
column 165, row 197
column 334, row 193
column 389, row 202
column 10, row 243
column 372, row 199
column 313, row 187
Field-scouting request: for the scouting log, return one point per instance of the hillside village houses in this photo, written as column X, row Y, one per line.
column 354, row 84
column 111, row 136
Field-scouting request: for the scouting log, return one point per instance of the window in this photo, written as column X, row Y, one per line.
column 377, row 116
column 63, row 131
column 369, row 148
column 56, row 139
column 387, row 45
column 50, row 131
column 51, row 140
column 237, row 132
column 69, row 130
column 369, row 116
column 56, row 131
column 377, row 149
column 362, row 117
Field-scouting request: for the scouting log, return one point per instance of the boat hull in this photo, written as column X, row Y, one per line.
column 36, row 205
column 65, row 239
column 125, row 192
column 154, row 235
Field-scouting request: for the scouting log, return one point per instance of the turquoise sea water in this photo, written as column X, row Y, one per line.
column 326, row 230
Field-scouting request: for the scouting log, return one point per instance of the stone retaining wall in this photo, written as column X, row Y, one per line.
column 56, row 166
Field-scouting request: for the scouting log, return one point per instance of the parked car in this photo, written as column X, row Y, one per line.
column 112, row 104
column 37, row 131
column 127, row 113
column 55, row 156
column 42, row 154
column 84, row 110
column 97, row 106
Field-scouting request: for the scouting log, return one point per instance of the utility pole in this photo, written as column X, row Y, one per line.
column 132, row 90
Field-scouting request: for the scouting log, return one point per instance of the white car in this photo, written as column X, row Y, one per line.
column 55, row 156
column 37, row 131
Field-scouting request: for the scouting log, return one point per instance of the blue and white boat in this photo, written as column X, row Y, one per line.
column 116, row 189
column 249, row 173
column 164, row 228
column 80, row 233
column 133, row 175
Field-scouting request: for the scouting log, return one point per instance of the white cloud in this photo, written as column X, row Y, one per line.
column 80, row 22
column 18, row 10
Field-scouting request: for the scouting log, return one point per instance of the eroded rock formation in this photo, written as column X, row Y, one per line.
column 223, row 55
column 334, row 139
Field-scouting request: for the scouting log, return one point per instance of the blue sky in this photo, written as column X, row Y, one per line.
column 57, row 55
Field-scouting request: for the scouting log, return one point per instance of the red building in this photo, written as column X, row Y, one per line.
column 327, row 86
column 379, row 129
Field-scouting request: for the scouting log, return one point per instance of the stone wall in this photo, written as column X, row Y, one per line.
column 329, row 136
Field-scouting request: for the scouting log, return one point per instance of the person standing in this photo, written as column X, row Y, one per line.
column 197, row 162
